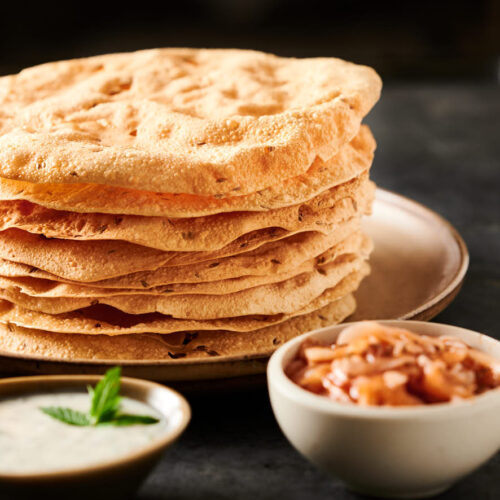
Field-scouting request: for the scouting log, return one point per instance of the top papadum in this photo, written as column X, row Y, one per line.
column 195, row 121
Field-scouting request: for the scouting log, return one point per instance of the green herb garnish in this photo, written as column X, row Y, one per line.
column 67, row 415
column 104, row 408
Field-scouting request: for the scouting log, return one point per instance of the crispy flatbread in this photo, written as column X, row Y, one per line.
column 353, row 159
column 182, row 235
column 175, row 348
column 89, row 261
column 196, row 121
column 269, row 299
column 355, row 243
column 101, row 319
column 270, row 258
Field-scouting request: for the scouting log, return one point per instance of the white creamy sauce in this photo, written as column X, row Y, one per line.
column 32, row 442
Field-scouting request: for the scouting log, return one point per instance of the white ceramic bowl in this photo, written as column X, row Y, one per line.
column 109, row 480
column 406, row 452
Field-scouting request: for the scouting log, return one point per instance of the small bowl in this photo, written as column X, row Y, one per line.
column 114, row 479
column 405, row 452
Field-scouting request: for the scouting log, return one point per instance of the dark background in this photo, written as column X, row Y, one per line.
column 437, row 126
column 402, row 40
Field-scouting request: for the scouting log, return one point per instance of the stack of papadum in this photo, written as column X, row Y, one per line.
column 180, row 204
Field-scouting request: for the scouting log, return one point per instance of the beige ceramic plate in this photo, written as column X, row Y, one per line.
column 418, row 266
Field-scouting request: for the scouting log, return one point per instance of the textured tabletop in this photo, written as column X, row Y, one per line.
column 440, row 145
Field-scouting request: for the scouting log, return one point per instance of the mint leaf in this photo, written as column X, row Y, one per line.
column 105, row 404
column 67, row 415
column 105, row 397
column 126, row 419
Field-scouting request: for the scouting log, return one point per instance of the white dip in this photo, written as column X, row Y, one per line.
column 32, row 442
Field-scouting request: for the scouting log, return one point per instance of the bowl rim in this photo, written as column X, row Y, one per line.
column 157, row 445
column 278, row 381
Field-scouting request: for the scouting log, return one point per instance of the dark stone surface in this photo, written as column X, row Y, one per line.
column 441, row 146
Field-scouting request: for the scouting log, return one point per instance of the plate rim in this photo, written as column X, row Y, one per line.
column 432, row 305
column 455, row 284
